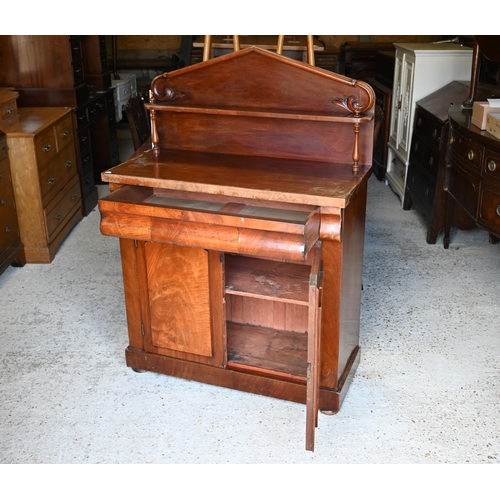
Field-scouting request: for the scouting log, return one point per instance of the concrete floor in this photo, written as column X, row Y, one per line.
column 427, row 390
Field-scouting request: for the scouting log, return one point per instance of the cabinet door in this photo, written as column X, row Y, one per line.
column 181, row 310
column 406, row 105
column 396, row 103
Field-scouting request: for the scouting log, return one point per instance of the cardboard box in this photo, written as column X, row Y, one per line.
column 493, row 124
column 480, row 110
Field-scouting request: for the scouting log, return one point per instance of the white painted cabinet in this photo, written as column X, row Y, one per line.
column 420, row 69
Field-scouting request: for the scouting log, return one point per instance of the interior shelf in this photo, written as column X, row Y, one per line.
column 264, row 279
column 258, row 349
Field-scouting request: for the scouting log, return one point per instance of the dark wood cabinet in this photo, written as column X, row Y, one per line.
column 11, row 247
column 427, row 165
column 70, row 71
column 473, row 174
column 242, row 229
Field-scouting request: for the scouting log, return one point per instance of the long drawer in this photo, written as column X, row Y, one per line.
column 268, row 230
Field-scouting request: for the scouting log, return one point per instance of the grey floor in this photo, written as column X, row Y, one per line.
column 427, row 390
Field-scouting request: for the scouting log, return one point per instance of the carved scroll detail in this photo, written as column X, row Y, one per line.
column 351, row 103
column 162, row 92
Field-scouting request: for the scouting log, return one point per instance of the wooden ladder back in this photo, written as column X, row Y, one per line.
column 207, row 47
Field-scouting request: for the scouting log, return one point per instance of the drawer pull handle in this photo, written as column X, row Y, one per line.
column 58, row 216
column 434, row 133
column 2, row 202
column 415, row 148
column 7, row 229
column 74, row 197
column 419, row 122
column 65, row 133
column 69, row 163
column 431, row 161
column 470, row 155
column 9, row 110
column 498, row 210
column 52, row 181
column 47, row 147
column 452, row 139
column 492, row 166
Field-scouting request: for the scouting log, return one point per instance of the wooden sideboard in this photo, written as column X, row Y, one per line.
column 473, row 173
column 241, row 228
column 45, row 177
column 426, row 170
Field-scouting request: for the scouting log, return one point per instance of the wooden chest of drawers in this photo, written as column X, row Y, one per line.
column 45, row 178
column 473, row 179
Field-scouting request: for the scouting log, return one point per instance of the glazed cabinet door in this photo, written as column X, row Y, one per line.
column 174, row 301
column 404, row 134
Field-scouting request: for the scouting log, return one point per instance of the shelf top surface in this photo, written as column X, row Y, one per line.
column 274, row 179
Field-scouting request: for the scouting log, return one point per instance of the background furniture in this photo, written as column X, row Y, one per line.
column 45, row 177
column 427, row 166
column 420, row 69
column 242, row 229
column 11, row 247
column 69, row 71
column 138, row 120
column 473, row 176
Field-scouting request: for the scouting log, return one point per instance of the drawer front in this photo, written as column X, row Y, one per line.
column 465, row 152
column 45, row 147
column 492, row 166
column 274, row 232
column 489, row 209
column 3, row 149
column 97, row 108
column 87, row 181
column 8, row 109
column 428, row 128
column 81, row 117
column 64, row 132
column 76, row 49
column 78, row 75
column 426, row 156
column 421, row 187
column 465, row 189
column 9, row 228
column 55, row 175
column 83, row 139
column 57, row 214
column 123, row 91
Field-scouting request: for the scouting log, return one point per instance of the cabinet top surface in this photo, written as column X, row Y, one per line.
column 434, row 48
column 461, row 119
column 260, row 178
column 29, row 121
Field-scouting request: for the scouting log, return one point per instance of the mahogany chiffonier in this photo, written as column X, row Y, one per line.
column 473, row 173
column 45, row 177
column 241, row 228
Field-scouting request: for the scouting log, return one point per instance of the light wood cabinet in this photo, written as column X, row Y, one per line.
column 45, row 178
column 420, row 69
